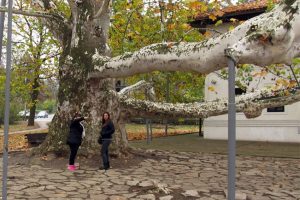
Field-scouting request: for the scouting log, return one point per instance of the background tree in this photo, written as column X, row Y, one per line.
column 14, row 102
column 37, row 52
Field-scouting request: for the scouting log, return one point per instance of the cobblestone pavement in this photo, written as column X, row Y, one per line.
column 177, row 176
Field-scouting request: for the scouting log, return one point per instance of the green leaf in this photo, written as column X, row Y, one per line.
column 219, row 22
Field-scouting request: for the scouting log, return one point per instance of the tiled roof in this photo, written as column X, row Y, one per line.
column 238, row 9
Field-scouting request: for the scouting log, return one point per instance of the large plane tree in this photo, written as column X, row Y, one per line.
column 87, row 72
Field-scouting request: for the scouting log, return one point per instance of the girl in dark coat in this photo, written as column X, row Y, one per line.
column 75, row 138
column 107, row 130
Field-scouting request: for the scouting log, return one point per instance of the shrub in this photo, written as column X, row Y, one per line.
column 49, row 105
column 13, row 113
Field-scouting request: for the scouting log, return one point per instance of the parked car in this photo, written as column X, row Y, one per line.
column 42, row 114
column 24, row 113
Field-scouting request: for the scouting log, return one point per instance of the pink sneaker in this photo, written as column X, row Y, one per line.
column 71, row 167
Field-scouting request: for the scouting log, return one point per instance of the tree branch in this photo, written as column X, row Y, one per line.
column 56, row 23
column 137, row 86
column 229, row 2
column 34, row 13
column 260, row 40
column 251, row 104
column 103, row 8
column 50, row 56
column 72, row 5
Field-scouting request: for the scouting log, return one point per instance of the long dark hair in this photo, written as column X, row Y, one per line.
column 104, row 123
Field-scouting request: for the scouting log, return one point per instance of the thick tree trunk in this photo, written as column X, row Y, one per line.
column 87, row 35
column 91, row 98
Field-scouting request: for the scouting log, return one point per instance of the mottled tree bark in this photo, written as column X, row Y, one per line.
column 85, row 35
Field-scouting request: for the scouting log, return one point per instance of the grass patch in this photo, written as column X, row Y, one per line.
column 139, row 132
column 194, row 143
column 161, row 127
column 18, row 126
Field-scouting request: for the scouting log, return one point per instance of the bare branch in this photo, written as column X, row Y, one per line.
column 229, row 2
column 55, row 21
column 51, row 56
column 104, row 6
column 23, row 32
column 137, row 86
column 72, row 5
column 34, row 13
column 295, row 77
column 31, row 41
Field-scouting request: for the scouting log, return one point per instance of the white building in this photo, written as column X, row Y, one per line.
column 281, row 124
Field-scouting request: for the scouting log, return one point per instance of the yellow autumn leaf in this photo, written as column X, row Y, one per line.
column 263, row 73
column 185, row 26
column 280, row 65
column 276, row 87
column 282, row 82
column 203, row 8
column 211, row 88
column 292, row 84
column 286, row 93
column 256, row 74
column 259, row 74
column 128, row 6
column 170, row 7
column 171, row 27
column 170, row 45
column 233, row 20
column 231, row 28
column 212, row 17
column 207, row 34
column 286, row 83
column 130, row 34
column 194, row 4
column 279, row 81
column 156, row 10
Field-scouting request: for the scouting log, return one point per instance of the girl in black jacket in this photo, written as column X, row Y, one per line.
column 75, row 138
column 107, row 130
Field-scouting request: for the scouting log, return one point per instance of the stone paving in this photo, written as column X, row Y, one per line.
column 177, row 176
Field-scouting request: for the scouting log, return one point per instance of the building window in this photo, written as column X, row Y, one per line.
column 239, row 91
column 276, row 109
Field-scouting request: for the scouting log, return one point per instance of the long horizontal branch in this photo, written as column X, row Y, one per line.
column 260, row 40
column 137, row 86
column 251, row 104
column 33, row 13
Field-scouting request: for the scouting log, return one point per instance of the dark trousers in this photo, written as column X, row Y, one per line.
column 104, row 153
column 74, row 149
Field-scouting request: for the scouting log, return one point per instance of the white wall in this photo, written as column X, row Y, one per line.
column 270, row 126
